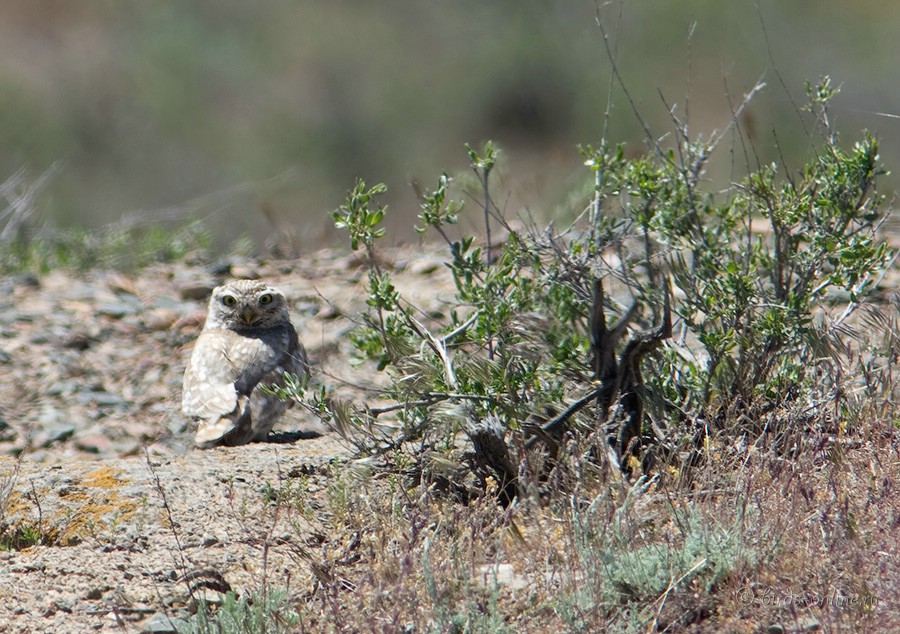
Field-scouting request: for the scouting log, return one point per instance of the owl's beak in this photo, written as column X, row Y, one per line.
column 249, row 315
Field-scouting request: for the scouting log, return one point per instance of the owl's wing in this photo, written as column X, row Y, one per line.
column 295, row 360
column 208, row 390
column 211, row 401
column 222, row 370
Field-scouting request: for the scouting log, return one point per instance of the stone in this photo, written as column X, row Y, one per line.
column 161, row 623
column 426, row 266
column 160, row 318
column 195, row 291
column 94, row 443
column 502, row 574
column 120, row 283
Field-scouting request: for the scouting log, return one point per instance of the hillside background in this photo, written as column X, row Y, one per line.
column 217, row 109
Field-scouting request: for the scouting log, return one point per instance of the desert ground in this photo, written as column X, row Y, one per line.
column 113, row 522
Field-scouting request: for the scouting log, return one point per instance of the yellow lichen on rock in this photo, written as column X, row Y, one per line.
column 98, row 507
column 104, row 477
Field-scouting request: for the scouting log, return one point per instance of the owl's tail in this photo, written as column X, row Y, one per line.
column 231, row 429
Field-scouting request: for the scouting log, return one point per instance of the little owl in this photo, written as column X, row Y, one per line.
column 246, row 343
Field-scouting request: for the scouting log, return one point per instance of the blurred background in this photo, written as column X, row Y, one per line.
column 236, row 112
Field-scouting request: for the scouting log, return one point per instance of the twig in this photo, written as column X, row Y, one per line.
column 561, row 418
column 37, row 503
column 736, row 113
column 462, row 327
column 672, row 585
column 431, row 399
column 167, row 509
column 634, row 109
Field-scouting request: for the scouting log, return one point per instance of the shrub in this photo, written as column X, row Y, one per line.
column 267, row 612
column 754, row 271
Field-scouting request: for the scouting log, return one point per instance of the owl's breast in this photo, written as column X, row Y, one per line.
column 255, row 355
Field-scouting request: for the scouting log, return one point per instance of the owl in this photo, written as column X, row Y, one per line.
column 247, row 342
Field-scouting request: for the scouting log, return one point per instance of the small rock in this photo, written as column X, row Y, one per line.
column 308, row 305
column 195, row 290
column 94, row 443
column 53, row 434
column 349, row 262
column 128, row 447
column 29, row 280
column 244, row 272
column 100, row 398
column 502, row 575
column 95, row 594
column 161, row 623
column 116, row 311
column 77, row 341
column 60, row 605
column 40, row 338
column 29, row 566
column 220, row 268
column 160, row 318
column 176, row 425
column 328, row 312
column 194, row 320
column 121, row 284
column 7, row 432
column 426, row 266
column 59, row 388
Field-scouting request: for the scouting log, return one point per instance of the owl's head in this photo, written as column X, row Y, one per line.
column 243, row 304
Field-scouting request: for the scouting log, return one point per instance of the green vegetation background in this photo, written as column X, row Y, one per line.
column 219, row 108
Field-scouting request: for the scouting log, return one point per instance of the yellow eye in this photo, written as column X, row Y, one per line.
column 266, row 298
column 229, row 300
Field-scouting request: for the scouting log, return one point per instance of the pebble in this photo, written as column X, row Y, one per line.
column 244, row 272
column 426, row 266
column 500, row 574
column 161, row 623
column 120, row 309
column 77, row 341
column 95, row 443
column 129, row 447
column 100, row 399
column 349, row 262
column 7, row 432
column 328, row 312
column 56, row 433
column 120, row 283
column 160, row 318
column 177, row 424
column 195, row 291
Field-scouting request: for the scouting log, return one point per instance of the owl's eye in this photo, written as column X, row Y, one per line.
column 266, row 298
column 229, row 300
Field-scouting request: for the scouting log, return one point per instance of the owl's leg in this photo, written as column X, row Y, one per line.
column 232, row 429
